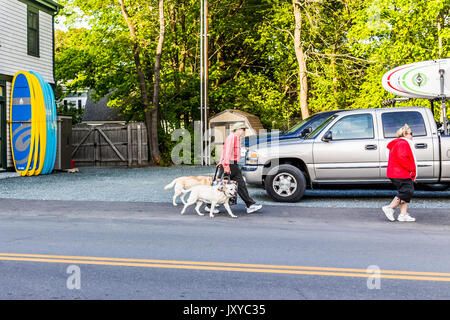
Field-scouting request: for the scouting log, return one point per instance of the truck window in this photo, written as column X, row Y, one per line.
column 358, row 126
column 392, row 121
column 319, row 129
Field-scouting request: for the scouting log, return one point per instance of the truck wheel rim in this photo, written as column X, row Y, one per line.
column 284, row 184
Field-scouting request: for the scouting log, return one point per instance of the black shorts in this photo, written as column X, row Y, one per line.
column 405, row 188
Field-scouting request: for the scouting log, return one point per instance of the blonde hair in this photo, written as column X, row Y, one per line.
column 403, row 130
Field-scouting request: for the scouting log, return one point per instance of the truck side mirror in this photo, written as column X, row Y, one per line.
column 327, row 137
column 305, row 132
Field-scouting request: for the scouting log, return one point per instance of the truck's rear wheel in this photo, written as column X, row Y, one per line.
column 285, row 183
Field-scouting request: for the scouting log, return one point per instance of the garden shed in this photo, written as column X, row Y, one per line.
column 224, row 120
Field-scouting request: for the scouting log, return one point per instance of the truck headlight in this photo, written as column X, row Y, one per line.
column 251, row 157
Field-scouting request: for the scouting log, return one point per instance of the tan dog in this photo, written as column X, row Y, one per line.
column 215, row 195
column 185, row 183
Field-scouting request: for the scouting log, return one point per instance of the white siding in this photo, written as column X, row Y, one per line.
column 13, row 41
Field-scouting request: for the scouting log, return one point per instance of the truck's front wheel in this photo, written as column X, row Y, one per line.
column 285, row 183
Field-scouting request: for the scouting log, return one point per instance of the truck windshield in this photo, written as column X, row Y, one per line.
column 319, row 129
column 297, row 125
column 310, row 122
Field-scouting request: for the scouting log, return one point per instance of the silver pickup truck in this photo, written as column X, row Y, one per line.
column 347, row 148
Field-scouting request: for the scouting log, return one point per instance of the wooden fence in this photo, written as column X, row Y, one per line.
column 110, row 144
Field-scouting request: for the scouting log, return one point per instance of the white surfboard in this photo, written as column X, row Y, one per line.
column 418, row 80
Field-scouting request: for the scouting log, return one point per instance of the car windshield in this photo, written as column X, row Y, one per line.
column 316, row 131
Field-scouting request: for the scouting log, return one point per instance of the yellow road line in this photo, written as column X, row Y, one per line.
column 195, row 265
column 221, row 264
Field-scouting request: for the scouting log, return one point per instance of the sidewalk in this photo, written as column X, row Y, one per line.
column 147, row 185
column 6, row 175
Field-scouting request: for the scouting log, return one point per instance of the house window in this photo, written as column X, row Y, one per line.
column 33, row 31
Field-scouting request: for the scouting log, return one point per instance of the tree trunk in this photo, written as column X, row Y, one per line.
column 334, row 75
column 440, row 23
column 184, row 36
column 140, row 74
column 151, row 113
column 156, row 85
column 175, row 44
column 301, row 60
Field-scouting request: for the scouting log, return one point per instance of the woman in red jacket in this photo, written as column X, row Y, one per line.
column 402, row 171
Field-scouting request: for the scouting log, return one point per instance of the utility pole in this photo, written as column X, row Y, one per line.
column 204, row 136
column 443, row 106
column 207, row 136
column 440, row 22
column 201, row 81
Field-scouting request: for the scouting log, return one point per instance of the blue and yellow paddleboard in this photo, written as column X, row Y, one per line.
column 39, row 121
column 49, row 102
column 33, row 124
column 22, row 131
column 54, row 127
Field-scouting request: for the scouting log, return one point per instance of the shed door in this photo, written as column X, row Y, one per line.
column 2, row 124
column 218, row 139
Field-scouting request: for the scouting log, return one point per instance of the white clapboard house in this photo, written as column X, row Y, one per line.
column 26, row 43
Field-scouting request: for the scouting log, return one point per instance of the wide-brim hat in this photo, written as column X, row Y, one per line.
column 239, row 125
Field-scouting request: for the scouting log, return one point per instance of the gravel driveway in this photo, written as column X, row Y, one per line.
column 146, row 185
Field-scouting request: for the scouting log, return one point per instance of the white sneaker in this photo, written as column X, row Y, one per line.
column 208, row 208
column 389, row 212
column 253, row 208
column 405, row 218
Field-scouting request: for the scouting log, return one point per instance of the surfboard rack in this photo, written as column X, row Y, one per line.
column 394, row 101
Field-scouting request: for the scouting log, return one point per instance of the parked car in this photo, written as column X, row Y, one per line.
column 299, row 130
column 349, row 147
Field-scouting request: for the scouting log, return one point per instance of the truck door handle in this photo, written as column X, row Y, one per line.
column 371, row 147
column 421, row 146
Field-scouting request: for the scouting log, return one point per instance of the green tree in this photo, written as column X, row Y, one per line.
column 395, row 32
column 347, row 46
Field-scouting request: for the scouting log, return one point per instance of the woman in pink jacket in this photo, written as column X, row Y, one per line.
column 229, row 159
column 402, row 171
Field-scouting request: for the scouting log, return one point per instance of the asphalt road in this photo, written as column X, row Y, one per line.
column 136, row 250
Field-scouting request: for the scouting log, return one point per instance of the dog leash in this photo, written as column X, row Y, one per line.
column 232, row 200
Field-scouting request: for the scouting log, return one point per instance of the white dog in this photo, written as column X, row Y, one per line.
column 183, row 183
column 215, row 195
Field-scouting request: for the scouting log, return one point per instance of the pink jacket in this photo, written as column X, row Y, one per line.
column 231, row 151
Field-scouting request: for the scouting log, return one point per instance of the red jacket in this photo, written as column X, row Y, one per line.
column 401, row 164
